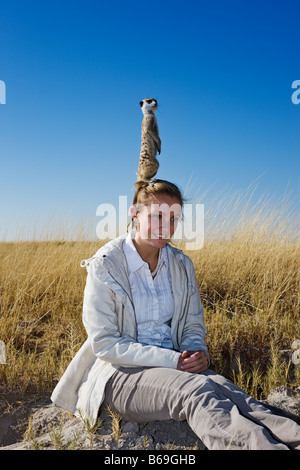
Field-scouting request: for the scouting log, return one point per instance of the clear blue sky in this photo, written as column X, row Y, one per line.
column 75, row 72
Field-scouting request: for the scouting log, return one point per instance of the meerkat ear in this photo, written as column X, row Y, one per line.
column 141, row 103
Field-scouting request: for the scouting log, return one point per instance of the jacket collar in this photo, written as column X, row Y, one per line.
column 113, row 259
column 113, row 271
column 134, row 260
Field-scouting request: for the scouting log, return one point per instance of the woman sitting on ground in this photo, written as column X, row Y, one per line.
column 146, row 354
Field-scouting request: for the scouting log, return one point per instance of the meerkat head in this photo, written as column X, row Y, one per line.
column 148, row 105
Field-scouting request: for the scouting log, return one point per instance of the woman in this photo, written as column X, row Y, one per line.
column 146, row 354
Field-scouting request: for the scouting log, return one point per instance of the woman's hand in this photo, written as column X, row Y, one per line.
column 193, row 361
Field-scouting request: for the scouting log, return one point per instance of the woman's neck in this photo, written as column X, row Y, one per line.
column 148, row 253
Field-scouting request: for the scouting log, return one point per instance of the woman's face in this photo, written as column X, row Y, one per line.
column 157, row 222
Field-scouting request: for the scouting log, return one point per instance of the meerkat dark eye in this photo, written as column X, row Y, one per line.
column 141, row 103
column 149, row 101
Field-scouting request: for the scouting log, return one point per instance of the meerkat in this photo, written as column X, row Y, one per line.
column 151, row 143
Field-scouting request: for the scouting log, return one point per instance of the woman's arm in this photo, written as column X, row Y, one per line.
column 100, row 319
column 193, row 346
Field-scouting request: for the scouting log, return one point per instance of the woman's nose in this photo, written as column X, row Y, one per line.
column 164, row 228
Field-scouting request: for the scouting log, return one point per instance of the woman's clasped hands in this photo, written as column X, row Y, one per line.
column 193, row 361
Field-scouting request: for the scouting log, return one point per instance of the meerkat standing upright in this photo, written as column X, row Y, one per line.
column 151, row 143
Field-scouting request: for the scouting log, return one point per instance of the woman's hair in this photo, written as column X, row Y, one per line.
column 147, row 192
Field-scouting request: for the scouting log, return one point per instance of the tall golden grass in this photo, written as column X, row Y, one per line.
column 248, row 276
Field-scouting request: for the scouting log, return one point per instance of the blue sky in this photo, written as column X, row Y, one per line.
column 75, row 72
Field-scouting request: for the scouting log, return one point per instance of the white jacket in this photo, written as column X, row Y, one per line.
column 109, row 319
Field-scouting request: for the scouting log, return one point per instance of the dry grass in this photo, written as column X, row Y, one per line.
column 248, row 276
column 41, row 302
column 251, row 296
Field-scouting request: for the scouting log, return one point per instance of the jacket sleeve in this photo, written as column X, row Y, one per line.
column 194, row 330
column 100, row 319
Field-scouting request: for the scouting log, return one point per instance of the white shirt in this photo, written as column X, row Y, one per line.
column 153, row 298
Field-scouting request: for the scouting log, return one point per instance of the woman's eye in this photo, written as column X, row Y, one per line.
column 159, row 217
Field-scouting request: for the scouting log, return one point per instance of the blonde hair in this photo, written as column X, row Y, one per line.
column 147, row 192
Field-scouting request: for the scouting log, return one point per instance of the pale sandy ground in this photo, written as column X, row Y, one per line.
column 49, row 427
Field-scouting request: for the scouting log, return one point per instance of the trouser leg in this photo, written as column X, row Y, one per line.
column 282, row 428
column 150, row 394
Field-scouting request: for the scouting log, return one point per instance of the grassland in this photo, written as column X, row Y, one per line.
column 248, row 278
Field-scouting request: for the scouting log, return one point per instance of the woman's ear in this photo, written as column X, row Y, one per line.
column 134, row 214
